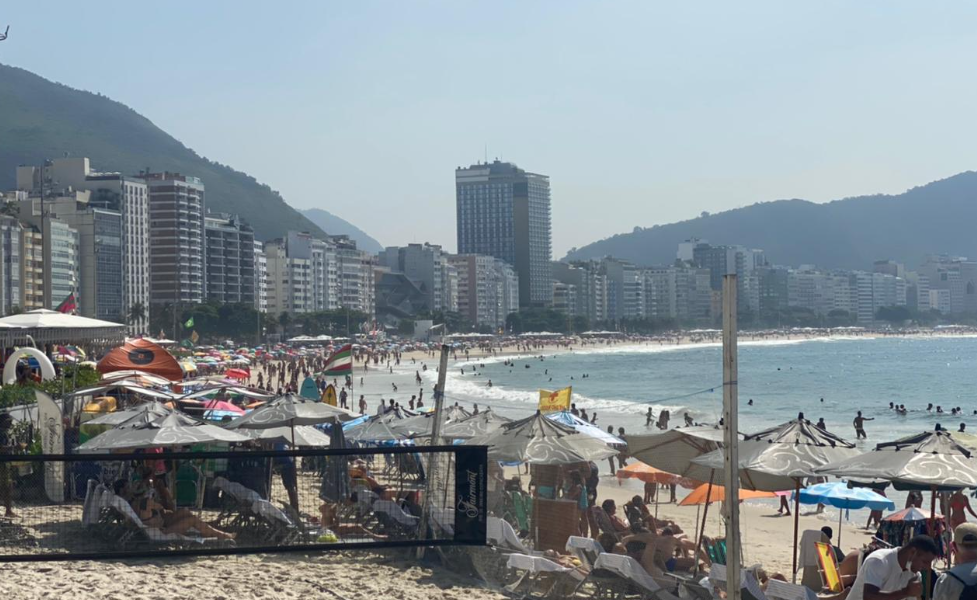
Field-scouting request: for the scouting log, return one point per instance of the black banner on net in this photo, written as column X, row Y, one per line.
column 470, row 491
column 146, row 504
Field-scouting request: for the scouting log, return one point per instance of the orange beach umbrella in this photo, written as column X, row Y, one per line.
column 649, row 474
column 718, row 494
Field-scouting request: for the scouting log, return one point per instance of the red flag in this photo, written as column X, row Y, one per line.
column 68, row 305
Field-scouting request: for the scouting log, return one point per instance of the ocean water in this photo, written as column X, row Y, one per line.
column 782, row 377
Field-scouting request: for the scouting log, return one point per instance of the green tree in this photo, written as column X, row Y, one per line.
column 894, row 315
column 137, row 312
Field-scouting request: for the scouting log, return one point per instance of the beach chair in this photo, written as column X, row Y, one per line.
column 491, row 562
column 807, row 559
column 618, row 576
column 781, row 590
column 541, row 577
column 585, row 549
column 394, row 521
column 188, row 489
column 92, row 506
column 521, row 509
column 749, row 585
column 716, row 551
column 603, row 522
column 128, row 529
column 248, row 514
column 828, row 567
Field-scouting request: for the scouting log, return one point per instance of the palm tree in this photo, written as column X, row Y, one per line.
column 137, row 312
column 284, row 319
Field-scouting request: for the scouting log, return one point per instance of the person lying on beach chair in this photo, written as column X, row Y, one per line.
column 329, row 518
column 179, row 521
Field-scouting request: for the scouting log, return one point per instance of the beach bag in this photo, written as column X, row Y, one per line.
column 969, row 591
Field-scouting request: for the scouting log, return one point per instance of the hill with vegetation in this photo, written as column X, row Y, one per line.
column 334, row 225
column 40, row 120
column 851, row 233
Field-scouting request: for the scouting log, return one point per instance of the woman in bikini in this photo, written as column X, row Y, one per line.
column 179, row 521
column 958, row 504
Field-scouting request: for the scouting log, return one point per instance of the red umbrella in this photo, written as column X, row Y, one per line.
column 237, row 374
column 222, row 405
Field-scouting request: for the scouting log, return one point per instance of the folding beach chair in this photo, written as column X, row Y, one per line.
column 541, row 577
column 251, row 516
column 716, row 551
column 521, row 509
column 133, row 531
column 781, row 590
column 619, row 576
column 749, row 586
column 585, row 549
column 828, row 567
column 394, row 521
column 501, row 534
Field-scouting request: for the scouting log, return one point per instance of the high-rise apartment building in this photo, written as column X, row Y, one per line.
column 430, row 268
column 625, row 290
column 323, row 274
column 289, row 281
column 51, row 247
column 99, row 292
column 504, row 211
column 129, row 196
column 176, row 233
column 11, row 274
column 260, row 277
column 230, row 259
column 355, row 277
column 488, row 289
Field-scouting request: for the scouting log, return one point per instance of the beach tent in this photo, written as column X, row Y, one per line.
column 541, row 441
column 484, row 422
column 141, row 355
column 171, row 430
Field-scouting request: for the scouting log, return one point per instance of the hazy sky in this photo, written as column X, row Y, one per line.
column 640, row 112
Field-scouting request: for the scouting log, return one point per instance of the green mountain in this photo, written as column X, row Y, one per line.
column 334, row 225
column 40, row 119
column 852, row 233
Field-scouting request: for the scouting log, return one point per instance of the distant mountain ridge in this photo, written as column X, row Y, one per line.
column 334, row 225
column 40, row 119
column 852, row 233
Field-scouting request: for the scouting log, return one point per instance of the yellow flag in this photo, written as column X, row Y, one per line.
column 329, row 396
column 194, row 337
column 554, row 401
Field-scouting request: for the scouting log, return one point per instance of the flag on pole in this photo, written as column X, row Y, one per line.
column 189, row 323
column 554, row 401
column 340, row 362
column 68, row 305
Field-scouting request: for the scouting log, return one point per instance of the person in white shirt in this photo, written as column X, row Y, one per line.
column 952, row 584
column 893, row 574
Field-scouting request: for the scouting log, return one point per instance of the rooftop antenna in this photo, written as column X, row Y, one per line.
column 3, row 35
column 486, row 153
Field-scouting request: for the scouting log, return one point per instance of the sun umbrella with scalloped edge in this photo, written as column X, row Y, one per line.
column 649, row 474
column 702, row 495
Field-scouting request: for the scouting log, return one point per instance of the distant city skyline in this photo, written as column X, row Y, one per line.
column 646, row 113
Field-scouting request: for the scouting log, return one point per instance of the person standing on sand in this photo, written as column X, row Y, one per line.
column 959, row 507
column 859, row 423
column 610, row 459
column 362, row 405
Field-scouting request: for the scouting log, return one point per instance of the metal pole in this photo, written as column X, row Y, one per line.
column 730, row 416
column 797, row 516
column 433, row 475
column 702, row 528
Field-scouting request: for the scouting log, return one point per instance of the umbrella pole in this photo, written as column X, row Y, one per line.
column 932, row 527
column 840, row 512
column 797, row 517
column 702, row 528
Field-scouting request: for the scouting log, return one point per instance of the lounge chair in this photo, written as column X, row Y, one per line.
column 250, row 515
column 541, row 577
column 620, row 576
column 501, row 534
column 828, row 567
column 491, row 562
column 394, row 521
column 807, row 559
column 128, row 529
column 749, row 586
column 599, row 517
column 781, row 590
column 585, row 549
column 522, row 507
column 716, row 551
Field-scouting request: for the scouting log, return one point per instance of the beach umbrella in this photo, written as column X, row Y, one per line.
column 649, row 474
column 140, row 377
column 839, row 495
column 707, row 494
column 305, row 436
column 223, row 406
column 484, row 422
column 911, row 515
column 373, row 430
column 568, row 418
column 290, row 410
column 673, row 450
column 171, row 430
column 541, row 441
column 779, row 458
column 455, row 413
column 155, row 409
column 930, row 460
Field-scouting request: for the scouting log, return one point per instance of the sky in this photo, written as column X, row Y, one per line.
column 641, row 113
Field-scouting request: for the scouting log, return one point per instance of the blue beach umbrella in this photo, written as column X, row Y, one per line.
column 839, row 495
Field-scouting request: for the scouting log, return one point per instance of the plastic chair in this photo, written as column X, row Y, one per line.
column 827, row 565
